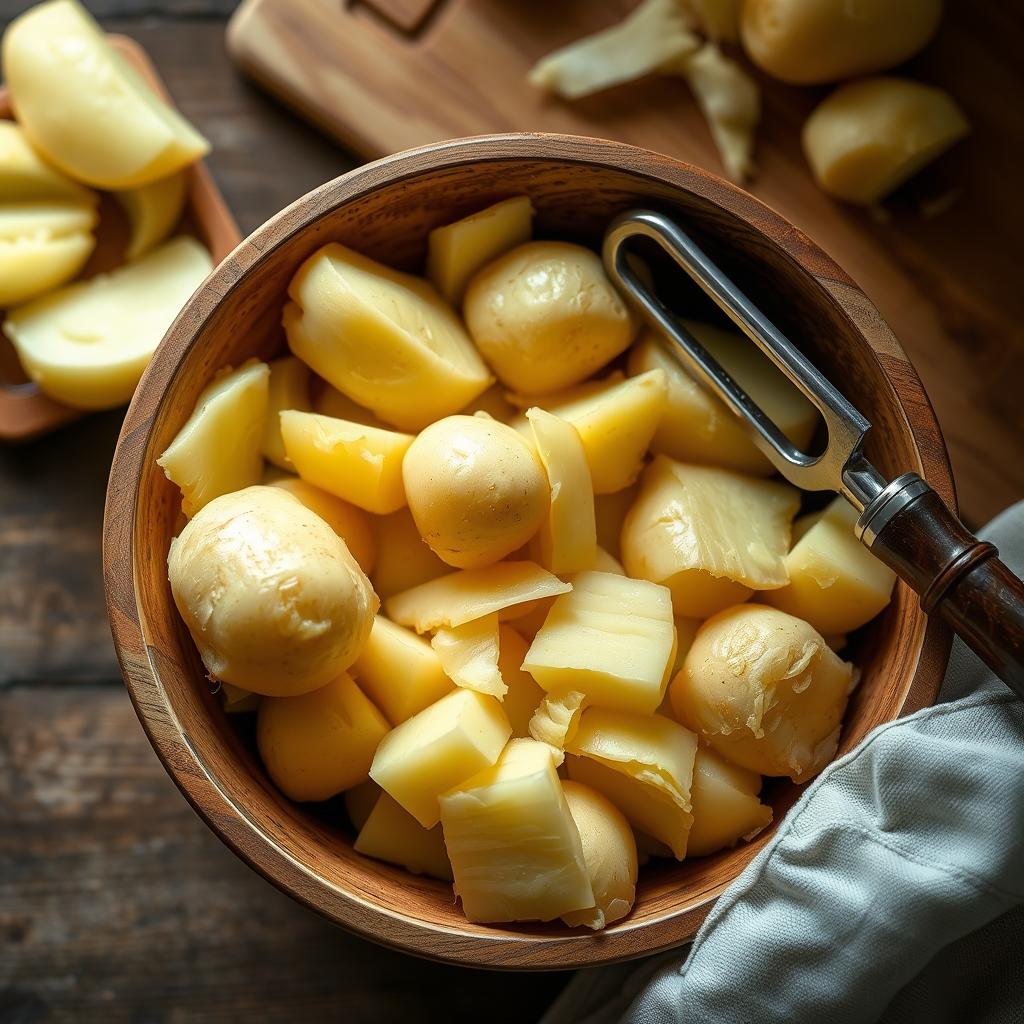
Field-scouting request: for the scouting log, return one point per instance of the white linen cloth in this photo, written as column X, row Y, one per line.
column 891, row 892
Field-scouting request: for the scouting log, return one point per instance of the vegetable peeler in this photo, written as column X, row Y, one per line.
column 903, row 522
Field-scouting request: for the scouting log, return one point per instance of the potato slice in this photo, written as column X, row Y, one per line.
column 697, row 427
column 360, row 464
column 557, row 718
column 835, row 583
column 523, row 695
column 514, row 847
column 85, row 108
column 391, row 834
column 320, row 743
column 725, row 804
column 609, row 851
column 26, row 177
column 472, row 593
column 644, row 765
column 469, row 655
column 567, row 540
column 33, row 265
column 45, row 219
column 217, row 451
column 88, row 344
column 457, row 251
column 384, row 338
column 288, row 389
column 709, row 535
column 399, row 671
column 351, row 524
column 403, row 559
column 610, row 638
column 153, row 212
column 442, row 746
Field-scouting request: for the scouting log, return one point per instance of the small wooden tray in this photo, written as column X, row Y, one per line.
column 25, row 412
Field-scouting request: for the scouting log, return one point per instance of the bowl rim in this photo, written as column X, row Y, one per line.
column 197, row 781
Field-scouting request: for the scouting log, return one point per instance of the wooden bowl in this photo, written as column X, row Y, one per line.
column 385, row 209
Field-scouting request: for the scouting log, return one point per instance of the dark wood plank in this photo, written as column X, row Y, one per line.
column 138, row 8
column 118, row 904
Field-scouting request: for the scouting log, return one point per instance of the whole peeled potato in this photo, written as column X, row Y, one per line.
column 273, row 599
column 808, row 42
column 476, row 489
column 545, row 315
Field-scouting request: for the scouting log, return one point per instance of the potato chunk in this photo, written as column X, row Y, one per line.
column 567, row 541
column 457, row 251
column 360, row 464
column 88, row 344
column 317, row 744
column 217, row 451
column 403, row 560
column 523, row 695
column 557, row 718
column 26, row 177
column 360, row 801
column 545, row 316
column 153, row 212
column 384, row 338
column 766, row 692
column 443, row 745
column 273, row 599
column 472, row 593
column 725, row 804
column 709, row 535
column 390, row 833
column 476, row 490
column 514, row 847
column 697, row 427
column 469, row 655
column 85, row 108
column 609, row 851
column 610, row 638
column 35, row 263
column 870, row 136
column 288, row 389
column 399, row 671
column 330, row 401
column 610, row 513
column 835, row 583
column 644, row 765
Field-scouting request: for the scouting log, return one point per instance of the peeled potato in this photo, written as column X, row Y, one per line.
column 870, row 136
column 288, row 389
column 26, row 177
column 545, row 316
column 85, row 108
column 32, row 265
column 153, row 211
column 809, row 42
column 273, row 599
column 403, row 560
column 765, row 691
column 476, row 490
column 391, row 834
column 726, row 807
column 523, row 695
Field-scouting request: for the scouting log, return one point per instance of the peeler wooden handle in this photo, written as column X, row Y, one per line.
column 960, row 578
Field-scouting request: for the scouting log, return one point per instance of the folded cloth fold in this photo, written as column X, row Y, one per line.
column 891, row 892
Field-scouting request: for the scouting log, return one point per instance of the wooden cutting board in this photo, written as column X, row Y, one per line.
column 384, row 75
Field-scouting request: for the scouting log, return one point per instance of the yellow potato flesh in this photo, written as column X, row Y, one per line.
column 26, row 177
column 331, row 402
column 360, row 801
column 45, row 219
column 610, row 513
column 492, row 402
column 567, row 541
column 288, row 389
column 85, row 108
column 469, row 655
column 610, row 638
column 153, row 212
column 709, row 535
column 403, row 560
column 32, row 265
column 457, row 251
column 442, row 746
column 472, row 593
column 399, row 671
column 351, row 524
column 320, row 743
column 362, row 465
column 545, row 316
column 557, row 718
column 271, row 595
column 765, row 691
column 217, row 451
column 609, row 851
column 88, row 344
column 697, row 427
column 384, row 338
column 523, row 695
column 725, row 804
column 514, row 847
column 870, row 136
column 603, row 562
column 392, row 834
column 835, row 583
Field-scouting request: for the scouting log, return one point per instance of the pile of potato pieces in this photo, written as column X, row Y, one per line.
column 84, row 121
column 514, row 628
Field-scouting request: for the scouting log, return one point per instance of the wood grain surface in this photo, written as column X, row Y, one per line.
column 942, row 270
